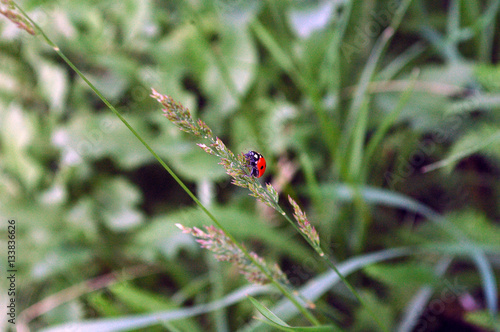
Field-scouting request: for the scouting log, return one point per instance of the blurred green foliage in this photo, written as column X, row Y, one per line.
column 278, row 77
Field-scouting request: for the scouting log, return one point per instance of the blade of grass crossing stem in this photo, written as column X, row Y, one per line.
column 402, row 60
column 311, row 181
column 413, row 311
column 366, row 77
column 279, row 55
column 487, row 38
column 358, row 142
column 331, row 64
column 330, row 75
column 266, row 312
column 390, row 198
column 358, row 101
column 319, row 285
column 389, row 120
column 485, row 21
column 278, row 323
column 217, row 292
column 314, row 190
column 329, row 129
column 443, row 48
column 330, row 264
column 282, row 288
column 453, row 21
column 362, row 221
column 223, row 70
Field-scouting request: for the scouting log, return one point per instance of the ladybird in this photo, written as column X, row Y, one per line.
column 257, row 162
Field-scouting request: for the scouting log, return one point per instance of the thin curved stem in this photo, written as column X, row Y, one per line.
column 283, row 289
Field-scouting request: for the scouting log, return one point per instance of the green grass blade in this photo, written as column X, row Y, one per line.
column 276, row 322
column 389, row 198
column 453, row 23
column 286, row 292
column 267, row 313
column 384, row 127
column 321, row 284
column 414, row 309
column 361, row 91
column 328, row 128
column 141, row 321
column 405, row 58
column 358, row 143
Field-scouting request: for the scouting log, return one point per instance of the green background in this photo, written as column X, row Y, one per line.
column 384, row 143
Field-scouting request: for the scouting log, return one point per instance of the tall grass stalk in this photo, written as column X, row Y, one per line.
column 282, row 288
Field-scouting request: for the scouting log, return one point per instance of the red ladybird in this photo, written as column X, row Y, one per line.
column 257, row 162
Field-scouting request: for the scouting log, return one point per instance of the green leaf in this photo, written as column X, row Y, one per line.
column 58, row 260
column 104, row 305
column 238, row 53
column 424, row 110
column 489, row 76
column 69, row 311
column 18, row 131
column 194, row 165
column 477, row 226
column 52, row 79
column 485, row 139
column 161, row 236
column 82, row 220
column 117, row 201
column 364, row 320
column 267, row 313
column 405, row 275
column 91, row 137
column 309, row 16
column 145, row 320
column 483, row 318
column 143, row 301
column 10, row 78
column 275, row 321
column 139, row 299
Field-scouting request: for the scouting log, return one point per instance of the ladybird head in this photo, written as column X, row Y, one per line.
column 257, row 163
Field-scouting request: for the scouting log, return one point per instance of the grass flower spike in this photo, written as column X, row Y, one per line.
column 8, row 10
column 181, row 116
column 217, row 240
column 236, row 166
column 305, row 226
column 253, row 267
column 225, row 249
